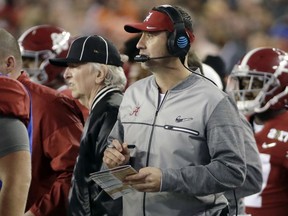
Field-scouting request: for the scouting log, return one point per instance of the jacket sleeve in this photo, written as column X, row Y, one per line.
column 109, row 120
column 253, row 181
column 117, row 132
column 227, row 167
column 83, row 195
column 61, row 145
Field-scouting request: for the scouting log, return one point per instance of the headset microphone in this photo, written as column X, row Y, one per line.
column 144, row 58
column 141, row 58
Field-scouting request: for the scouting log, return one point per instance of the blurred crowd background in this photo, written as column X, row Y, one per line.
column 225, row 28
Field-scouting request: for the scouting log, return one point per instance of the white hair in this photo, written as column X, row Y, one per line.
column 115, row 76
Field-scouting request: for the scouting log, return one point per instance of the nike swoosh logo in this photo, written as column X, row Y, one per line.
column 180, row 119
column 269, row 145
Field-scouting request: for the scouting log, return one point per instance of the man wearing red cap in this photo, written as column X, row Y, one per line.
column 186, row 131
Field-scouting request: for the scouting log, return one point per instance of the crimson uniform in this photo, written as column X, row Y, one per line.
column 272, row 143
column 14, row 100
column 84, row 110
column 57, row 129
column 259, row 84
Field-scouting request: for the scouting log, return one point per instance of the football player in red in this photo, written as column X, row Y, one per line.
column 15, row 159
column 259, row 84
column 57, row 128
column 37, row 45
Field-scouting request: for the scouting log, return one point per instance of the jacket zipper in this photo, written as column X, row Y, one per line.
column 149, row 144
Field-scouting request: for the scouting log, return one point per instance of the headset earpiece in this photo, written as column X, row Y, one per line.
column 178, row 42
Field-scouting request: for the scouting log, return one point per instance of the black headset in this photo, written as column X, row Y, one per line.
column 178, row 42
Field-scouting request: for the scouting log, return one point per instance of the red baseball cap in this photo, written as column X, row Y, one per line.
column 154, row 21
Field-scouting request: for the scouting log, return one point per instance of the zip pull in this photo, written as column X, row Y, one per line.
column 181, row 129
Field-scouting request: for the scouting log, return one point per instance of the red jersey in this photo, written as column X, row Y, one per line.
column 57, row 129
column 84, row 110
column 272, row 143
column 14, row 100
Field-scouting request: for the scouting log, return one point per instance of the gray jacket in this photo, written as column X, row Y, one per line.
column 192, row 136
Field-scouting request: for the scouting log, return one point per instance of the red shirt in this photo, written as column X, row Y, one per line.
column 14, row 100
column 272, row 143
column 57, row 128
column 84, row 110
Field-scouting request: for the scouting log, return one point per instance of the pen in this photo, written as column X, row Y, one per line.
column 129, row 146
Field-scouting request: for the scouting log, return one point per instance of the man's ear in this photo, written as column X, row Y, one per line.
column 100, row 77
column 10, row 63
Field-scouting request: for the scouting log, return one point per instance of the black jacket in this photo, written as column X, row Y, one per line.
column 83, row 200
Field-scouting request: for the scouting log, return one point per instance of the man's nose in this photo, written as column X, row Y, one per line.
column 67, row 73
column 141, row 42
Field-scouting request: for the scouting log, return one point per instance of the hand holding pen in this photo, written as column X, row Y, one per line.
column 116, row 154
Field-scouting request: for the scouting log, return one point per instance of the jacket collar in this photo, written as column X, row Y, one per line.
column 101, row 94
